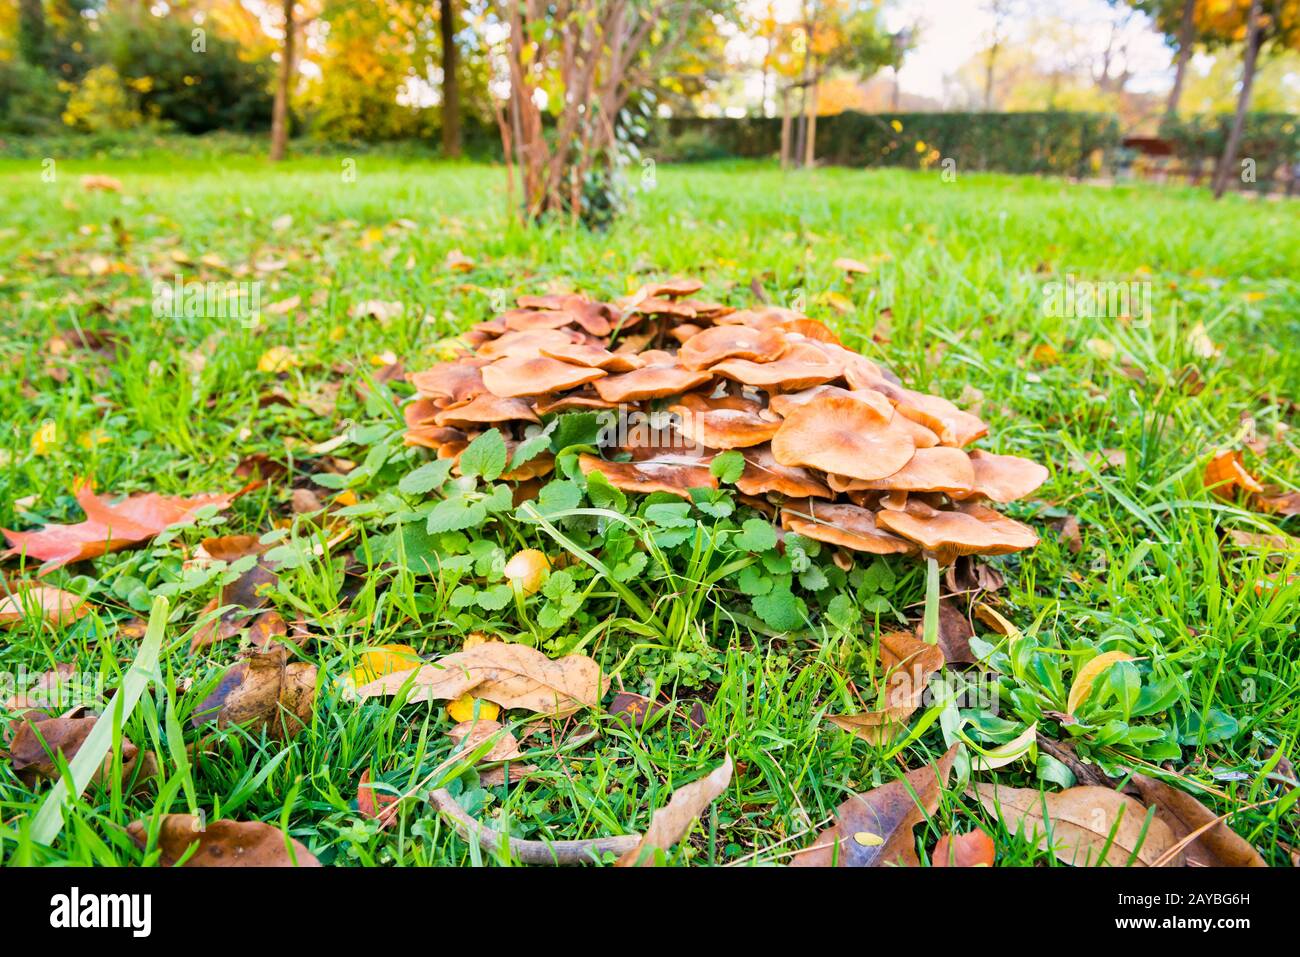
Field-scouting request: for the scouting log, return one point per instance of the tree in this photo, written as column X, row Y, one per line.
column 1256, row 23
column 843, row 36
column 580, row 61
column 450, row 84
column 1176, row 20
column 280, row 106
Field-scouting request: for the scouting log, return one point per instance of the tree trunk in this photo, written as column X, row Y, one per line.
column 810, row 128
column 280, row 107
column 1254, row 40
column 1186, row 37
column 785, row 127
column 450, row 85
column 988, row 76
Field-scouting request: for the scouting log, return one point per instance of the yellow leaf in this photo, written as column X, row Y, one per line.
column 867, row 839
column 277, row 359
column 1088, row 674
column 383, row 660
column 462, row 709
column 45, row 438
column 995, row 620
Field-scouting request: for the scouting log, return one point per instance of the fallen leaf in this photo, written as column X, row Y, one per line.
column 513, row 676
column 634, row 709
column 221, row 843
column 955, row 633
column 109, row 528
column 457, row 261
column 889, row 813
column 383, row 660
column 462, row 709
column 1219, row 846
column 1082, row 822
column 372, row 803
column 1004, row 754
column 245, row 594
column 670, row 823
column 1226, row 473
column 98, row 182
column 470, row 734
column 851, row 265
column 1068, row 529
column 972, row 849
column 263, row 691
column 1089, row 673
column 277, row 359
column 52, row 605
column 37, row 739
column 997, row 621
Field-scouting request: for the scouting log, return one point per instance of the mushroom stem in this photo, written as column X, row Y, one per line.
column 931, row 632
column 525, row 851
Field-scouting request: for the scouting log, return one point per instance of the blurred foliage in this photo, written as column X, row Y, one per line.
column 102, row 102
column 1050, row 142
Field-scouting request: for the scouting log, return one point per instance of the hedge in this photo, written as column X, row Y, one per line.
column 1070, row 144
column 1272, row 140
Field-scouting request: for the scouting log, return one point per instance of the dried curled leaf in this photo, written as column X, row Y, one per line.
column 874, row 829
column 263, row 691
column 1083, row 826
column 1216, row 846
column 670, row 823
column 221, row 843
column 511, row 675
column 109, row 527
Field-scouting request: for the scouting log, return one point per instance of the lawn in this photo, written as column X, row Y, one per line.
column 1124, row 411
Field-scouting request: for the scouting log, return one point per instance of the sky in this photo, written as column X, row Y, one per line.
column 952, row 31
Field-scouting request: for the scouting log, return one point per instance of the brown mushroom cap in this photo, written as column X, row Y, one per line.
column 592, row 316
column 422, row 410
column 970, row 530
column 526, row 320
column 724, row 342
column 676, row 475
column 782, row 404
column 672, row 288
column 536, row 467
column 1004, row 478
column 952, row 425
column 457, row 381
column 763, row 474
column 545, row 405
column 657, row 306
column 593, row 357
column 844, row 435
column 650, row 382
column 802, row 367
column 512, row 377
column 433, row 437
column 527, row 344
column 486, row 409
column 845, row 525
column 767, row 317
column 810, row 329
column 717, row 424
column 938, row 469
column 684, row 330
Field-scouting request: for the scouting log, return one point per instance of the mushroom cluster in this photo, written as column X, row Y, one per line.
column 832, row 443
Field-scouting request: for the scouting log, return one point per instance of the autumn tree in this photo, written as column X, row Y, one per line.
column 1176, row 20
column 450, row 81
column 1256, row 24
column 572, row 66
column 283, row 82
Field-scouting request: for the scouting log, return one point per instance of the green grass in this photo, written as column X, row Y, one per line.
column 955, row 305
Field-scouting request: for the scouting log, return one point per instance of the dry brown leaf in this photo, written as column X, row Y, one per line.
column 511, row 675
column 1226, row 473
column 670, row 823
column 52, row 605
column 108, row 528
column 222, row 843
column 874, row 829
column 246, row 593
column 37, row 739
column 264, row 691
column 973, row 849
column 1084, row 821
column 955, row 633
column 1219, row 846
